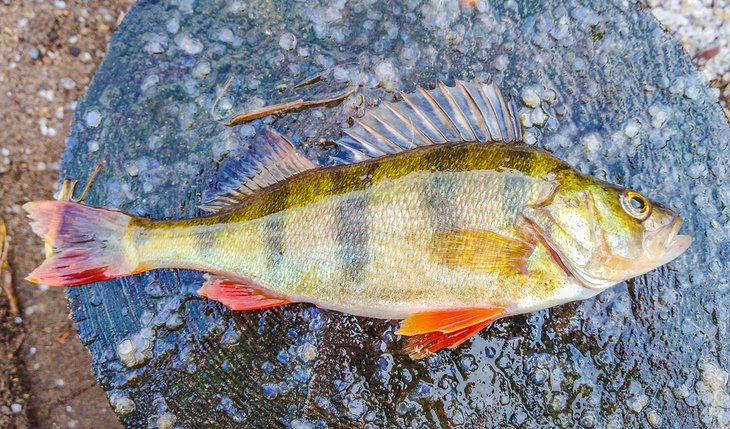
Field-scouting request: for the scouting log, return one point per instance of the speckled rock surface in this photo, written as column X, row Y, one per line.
column 600, row 84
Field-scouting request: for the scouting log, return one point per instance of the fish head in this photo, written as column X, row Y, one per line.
column 603, row 234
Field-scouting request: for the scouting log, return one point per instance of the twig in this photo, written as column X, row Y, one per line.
column 225, row 89
column 6, row 277
column 276, row 109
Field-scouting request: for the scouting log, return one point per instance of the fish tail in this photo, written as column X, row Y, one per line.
column 83, row 244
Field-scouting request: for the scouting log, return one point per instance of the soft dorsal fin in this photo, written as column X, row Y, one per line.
column 467, row 112
column 240, row 175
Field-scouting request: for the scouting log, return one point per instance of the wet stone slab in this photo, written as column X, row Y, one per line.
column 599, row 84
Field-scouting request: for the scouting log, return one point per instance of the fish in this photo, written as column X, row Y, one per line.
column 434, row 213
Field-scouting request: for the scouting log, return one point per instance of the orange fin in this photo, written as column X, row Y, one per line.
column 238, row 293
column 433, row 331
column 481, row 250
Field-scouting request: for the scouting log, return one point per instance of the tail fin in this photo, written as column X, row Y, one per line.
column 89, row 243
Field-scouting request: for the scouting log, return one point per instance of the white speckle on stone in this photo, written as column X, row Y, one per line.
column 121, row 404
column 189, row 44
column 93, row 145
column 288, row 41
column 637, row 403
column 201, row 69
column 132, row 169
column 149, row 82
column 174, row 322
column 166, row 421
column 16, row 408
column 501, row 62
column 692, row 92
column 632, row 128
column 136, row 350
column 307, row 352
column 591, row 144
column 225, row 35
column 659, row 115
column 530, row 97
column 172, row 26
column 386, row 75
column 538, row 117
column 341, row 74
column 525, row 116
column 248, row 131
column 654, row 418
column 549, row 96
column 92, row 118
column 155, row 47
column 529, row 138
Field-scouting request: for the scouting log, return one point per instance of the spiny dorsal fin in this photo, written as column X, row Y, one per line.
column 468, row 112
column 274, row 159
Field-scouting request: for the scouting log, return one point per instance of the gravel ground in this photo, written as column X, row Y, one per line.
column 48, row 52
column 703, row 28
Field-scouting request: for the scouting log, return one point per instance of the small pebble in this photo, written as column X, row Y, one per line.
column 67, row 83
column 16, row 408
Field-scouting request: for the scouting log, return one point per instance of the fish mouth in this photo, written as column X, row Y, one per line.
column 674, row 244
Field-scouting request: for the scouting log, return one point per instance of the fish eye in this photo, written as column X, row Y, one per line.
column 635, row 205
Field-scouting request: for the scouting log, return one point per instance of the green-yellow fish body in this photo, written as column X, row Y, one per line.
column 446, row 221
column 384, row 238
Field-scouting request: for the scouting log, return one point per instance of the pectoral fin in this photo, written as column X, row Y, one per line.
column 481, row 250
column 239, row 294
column 432, row 331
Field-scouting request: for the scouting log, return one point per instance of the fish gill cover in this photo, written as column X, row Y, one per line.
column 599, row 84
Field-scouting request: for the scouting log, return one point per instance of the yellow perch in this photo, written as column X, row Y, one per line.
column 440, row 216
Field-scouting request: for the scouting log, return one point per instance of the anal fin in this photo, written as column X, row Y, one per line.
column 238, row 293
column 433, row 331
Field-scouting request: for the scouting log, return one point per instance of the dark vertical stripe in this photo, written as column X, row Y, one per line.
column 439, row 193
column 353, row 236
column 275, row 228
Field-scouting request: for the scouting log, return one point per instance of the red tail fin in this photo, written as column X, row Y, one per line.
column 89, row 243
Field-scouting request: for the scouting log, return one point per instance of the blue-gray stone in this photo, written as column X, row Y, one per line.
column 618, row 98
